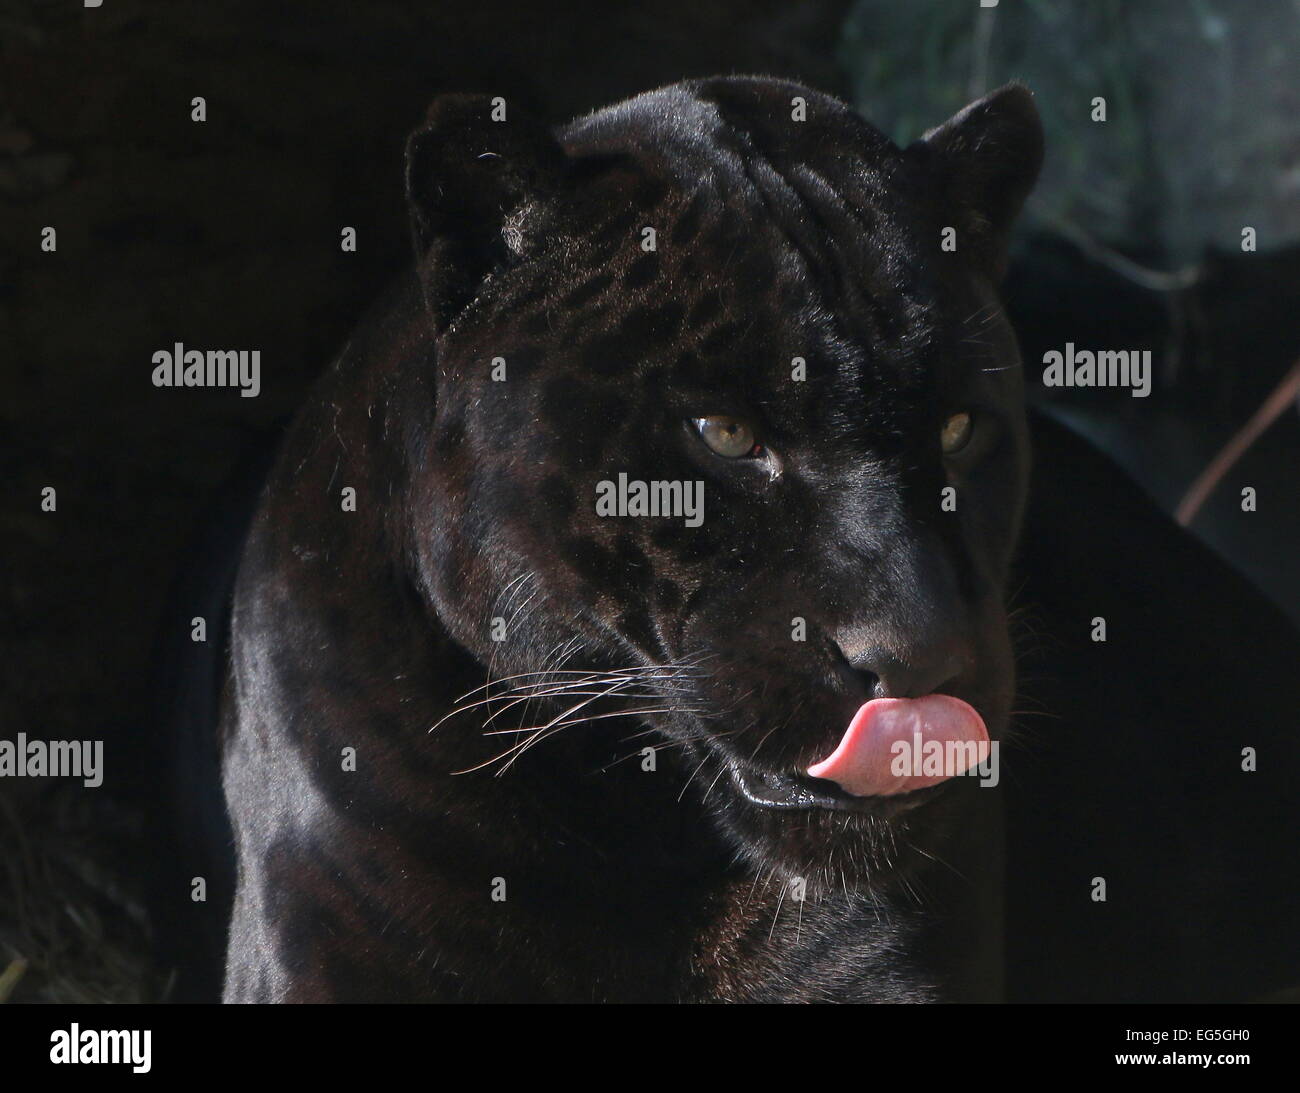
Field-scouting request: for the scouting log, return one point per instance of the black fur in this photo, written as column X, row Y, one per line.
column 360, row 630
column 778, row 238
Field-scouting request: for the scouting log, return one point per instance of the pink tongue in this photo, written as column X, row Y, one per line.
column 866, row 761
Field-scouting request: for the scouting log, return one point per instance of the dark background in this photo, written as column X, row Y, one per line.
column 226, row 234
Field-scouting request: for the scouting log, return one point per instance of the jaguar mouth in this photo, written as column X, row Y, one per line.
column 894, row 754
column 798, row 791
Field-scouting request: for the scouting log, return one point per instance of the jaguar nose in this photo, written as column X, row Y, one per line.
column 888, row 675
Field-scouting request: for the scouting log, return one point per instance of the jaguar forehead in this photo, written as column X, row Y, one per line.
column 837, row 198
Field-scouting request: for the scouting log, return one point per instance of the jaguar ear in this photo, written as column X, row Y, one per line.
column 988, row 155
column 479, row 177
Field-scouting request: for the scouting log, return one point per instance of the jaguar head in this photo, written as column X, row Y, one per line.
column 729, row 451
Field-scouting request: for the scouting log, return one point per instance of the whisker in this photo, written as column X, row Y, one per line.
column 603, row 716
column 555, row 693
column 691, row 777
column 674, row 669
column 545, row 688
column 519, row 748
column 555, row 727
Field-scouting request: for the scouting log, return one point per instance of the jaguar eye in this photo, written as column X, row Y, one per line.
column 956, row 433
column 729, row 437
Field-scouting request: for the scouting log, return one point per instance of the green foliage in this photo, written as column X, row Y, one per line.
column 1202, row 131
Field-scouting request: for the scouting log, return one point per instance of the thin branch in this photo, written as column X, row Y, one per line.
column 1284, row 394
